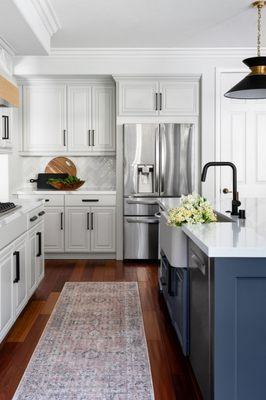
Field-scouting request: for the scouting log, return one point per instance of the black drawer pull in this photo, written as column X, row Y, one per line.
column 61, row 221
column 41, row 213
column 90, row 200
column 92, row 221
column 39, row 234
column 47, row 200
column 17, row 278
column 88, row 221
column 33, row 218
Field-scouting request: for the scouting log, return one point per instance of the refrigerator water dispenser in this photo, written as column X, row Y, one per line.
column 145, row 178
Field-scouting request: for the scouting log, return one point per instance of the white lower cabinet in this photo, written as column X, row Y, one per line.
column 36, row 255
column 54, row 222
column 77, row 233
column 102, row 229
column 90, row 229
column 19, row 266
column 6, row 290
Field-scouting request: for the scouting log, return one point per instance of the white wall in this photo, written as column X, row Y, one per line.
column 150, row 61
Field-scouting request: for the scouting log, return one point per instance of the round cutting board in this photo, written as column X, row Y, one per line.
column 61, row 165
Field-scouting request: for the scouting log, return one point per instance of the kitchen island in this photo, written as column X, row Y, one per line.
column 227, row 302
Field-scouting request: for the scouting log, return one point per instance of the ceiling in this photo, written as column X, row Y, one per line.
column 155, row 23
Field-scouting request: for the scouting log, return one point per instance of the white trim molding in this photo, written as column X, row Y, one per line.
column 154, row 52
column 47, row 15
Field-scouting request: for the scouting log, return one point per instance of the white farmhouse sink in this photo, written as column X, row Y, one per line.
column 173, row 242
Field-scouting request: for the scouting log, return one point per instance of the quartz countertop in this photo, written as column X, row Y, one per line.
column 82, row 190
column 239, row 238
column 26, row 206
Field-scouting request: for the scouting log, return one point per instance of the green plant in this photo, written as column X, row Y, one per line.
column 70, row 180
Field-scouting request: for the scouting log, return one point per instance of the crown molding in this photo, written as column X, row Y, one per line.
column 47, row 15
column 154, row 52
column 7, row 47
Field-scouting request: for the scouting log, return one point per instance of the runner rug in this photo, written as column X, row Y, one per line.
column 93, row 347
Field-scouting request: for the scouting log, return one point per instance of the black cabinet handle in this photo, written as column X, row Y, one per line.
column 33, row 218
column 156, row 101
column 64, row 137
column 41, row 213
column 61, row 221
column 89, row 136
column 93, row 133
column 88, row 221
column 39, row 234
column 161, row 101
column 6, row 127
column 90, row 200
column 92, row 221
column 46, row 200
column 17, row 278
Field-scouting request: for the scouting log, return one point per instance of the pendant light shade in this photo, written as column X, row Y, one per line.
column 253, row 86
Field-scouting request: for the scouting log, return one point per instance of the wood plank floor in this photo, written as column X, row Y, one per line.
column 171, row 373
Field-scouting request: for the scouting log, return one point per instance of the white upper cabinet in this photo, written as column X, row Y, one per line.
column 5, row 127
column 79, row 118
column 44, row 118
column 176, row 96
column 91, row 122
column 103, row 121
column 87, row 125
column 138, row 97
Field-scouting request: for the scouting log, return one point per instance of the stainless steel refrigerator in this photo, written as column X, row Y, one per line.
column 158, row 162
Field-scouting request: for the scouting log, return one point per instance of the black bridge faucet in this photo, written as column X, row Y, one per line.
column 235, row 202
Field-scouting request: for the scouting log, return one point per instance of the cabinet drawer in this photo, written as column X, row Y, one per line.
column 35, row 216
column 90, row 200
column 50, row 200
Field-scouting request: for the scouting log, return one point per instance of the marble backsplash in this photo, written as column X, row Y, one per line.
column 98, row 172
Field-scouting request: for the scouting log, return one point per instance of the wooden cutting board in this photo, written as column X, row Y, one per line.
column 61, row 165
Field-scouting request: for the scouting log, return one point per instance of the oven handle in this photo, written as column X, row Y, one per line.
column 143, row 202
column 142, row 220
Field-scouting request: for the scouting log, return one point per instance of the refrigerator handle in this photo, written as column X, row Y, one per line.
column 162, row 158
column 157, row 160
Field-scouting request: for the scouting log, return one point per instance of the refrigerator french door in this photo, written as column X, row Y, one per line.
column 158, row 160
column 157, row 163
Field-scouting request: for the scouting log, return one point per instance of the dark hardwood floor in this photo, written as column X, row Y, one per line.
column 172, row 377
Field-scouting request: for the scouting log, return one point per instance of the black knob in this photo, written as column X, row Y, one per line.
column 242, row 214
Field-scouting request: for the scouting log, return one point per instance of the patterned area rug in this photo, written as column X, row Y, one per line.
column 93, row 347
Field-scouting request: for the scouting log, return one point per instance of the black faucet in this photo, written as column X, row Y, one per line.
column 235, row 202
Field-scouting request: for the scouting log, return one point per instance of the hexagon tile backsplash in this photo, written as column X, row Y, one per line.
column 98, row 172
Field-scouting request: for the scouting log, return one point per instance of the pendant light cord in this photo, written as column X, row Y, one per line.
column 259, row 30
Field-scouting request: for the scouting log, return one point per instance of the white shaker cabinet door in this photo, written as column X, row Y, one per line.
column 178, row 98
column 102, row 229
column 6, row 291
column 103, row 121
column 79, row 118
column 44, row 118
column 138, row 97
column 77, row 236
column 54, row 225
column 20, row 275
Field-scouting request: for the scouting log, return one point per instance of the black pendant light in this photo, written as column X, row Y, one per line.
column 253, row 86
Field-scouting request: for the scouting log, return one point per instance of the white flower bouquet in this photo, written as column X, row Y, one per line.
column 193, row 209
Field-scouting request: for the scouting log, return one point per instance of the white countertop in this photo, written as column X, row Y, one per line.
column 26, row 206
column 241, row 238
column 25, row 191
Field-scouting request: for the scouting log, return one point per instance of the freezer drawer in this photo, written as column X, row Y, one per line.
column 140, row 206
column 140, row 238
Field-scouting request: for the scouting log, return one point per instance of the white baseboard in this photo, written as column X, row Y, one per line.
column 80, row 256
